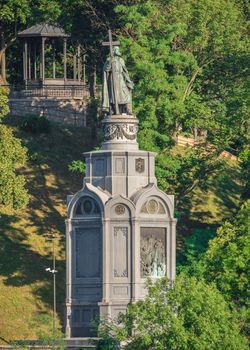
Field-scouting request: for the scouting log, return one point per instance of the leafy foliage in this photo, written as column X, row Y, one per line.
column 176, row 50
column 12, row 155
column 227, row 260
column 189, row 315
column 77, row 166
column 35, row 124
column 4, row 108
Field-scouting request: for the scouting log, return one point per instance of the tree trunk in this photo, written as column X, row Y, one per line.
column 3, row 47
column 3, row 80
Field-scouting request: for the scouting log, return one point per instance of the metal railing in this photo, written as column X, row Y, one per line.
column 67, row 91
column 52, row 91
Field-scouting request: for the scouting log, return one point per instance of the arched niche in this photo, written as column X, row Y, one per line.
column 87, row 207
column 85, row 257
column 154, row 206
column 119, row 208
column 151, row 201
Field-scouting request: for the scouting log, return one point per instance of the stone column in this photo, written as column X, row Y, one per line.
column 173, row 248
column 25, row 53
column 68, row 277
column 74, row 67
column 79, row 63
column 53, row 58
column 65, row 58
column 84, row 69
column 35, row 76
column 29, row 61
column 42, row 66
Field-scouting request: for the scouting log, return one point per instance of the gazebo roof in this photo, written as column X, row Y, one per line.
column 43, row 30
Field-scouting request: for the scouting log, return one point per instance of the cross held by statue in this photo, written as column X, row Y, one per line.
column 110, row 43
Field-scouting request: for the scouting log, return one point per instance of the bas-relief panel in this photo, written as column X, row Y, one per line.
column 153, row 252
column 120, row 252
column 88, row 252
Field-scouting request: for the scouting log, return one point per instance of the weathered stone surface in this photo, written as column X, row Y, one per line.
column 67, row 111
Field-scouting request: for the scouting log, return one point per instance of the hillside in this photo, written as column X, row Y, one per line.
column 25, row 251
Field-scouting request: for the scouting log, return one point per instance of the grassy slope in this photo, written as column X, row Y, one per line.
column 25, row 287
column 25, row 252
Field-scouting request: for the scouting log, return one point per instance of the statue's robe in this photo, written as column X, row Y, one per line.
column 124, row 84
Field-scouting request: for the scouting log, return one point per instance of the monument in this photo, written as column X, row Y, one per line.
column 120, row 226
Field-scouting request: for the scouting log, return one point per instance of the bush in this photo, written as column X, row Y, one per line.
column 4, row 107
column 187, row 315
column 35, row 124
column 77, row 166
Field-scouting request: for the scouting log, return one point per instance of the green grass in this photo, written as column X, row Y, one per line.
column 25, row 252
column 206, row 210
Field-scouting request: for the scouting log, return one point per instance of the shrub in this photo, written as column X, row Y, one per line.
column 35, row 124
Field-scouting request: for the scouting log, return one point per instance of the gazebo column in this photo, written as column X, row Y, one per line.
column 29, row 61
column 25, row 54
column 34, row 47
column 79, row 63
column 84, row 69
column 74, row 65
column 42, row 65
column 54, row 59
column 65, row 58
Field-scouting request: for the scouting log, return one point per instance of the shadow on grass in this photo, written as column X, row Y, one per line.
column 49, row 182
column 223, row 191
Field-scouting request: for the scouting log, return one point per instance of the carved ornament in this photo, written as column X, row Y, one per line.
column 120, row 131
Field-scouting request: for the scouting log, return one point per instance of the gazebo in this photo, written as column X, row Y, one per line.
column 34, row 51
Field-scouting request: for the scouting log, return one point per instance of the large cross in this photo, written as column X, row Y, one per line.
column 112, row 43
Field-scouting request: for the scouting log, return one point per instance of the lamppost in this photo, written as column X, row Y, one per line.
column 53, row 271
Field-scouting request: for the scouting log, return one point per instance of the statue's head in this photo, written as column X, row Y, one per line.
column 117, row 51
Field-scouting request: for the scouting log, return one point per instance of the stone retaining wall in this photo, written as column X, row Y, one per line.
column 69, row 111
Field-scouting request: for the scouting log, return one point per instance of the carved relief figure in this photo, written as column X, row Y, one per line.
column 152, row 257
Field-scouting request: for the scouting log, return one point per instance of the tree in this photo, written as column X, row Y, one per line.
column 227, row 260
column 189, row 315
column 12, row 156
column 177, row 50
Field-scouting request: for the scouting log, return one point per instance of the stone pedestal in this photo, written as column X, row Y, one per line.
column 120, row 132
column 120, row 229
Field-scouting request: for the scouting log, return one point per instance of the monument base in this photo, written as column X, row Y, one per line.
column 120, row 231
column 80, row 343
column 120, row 132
